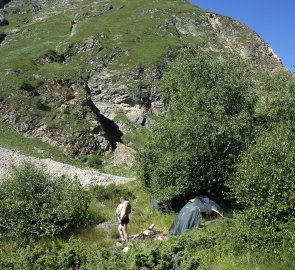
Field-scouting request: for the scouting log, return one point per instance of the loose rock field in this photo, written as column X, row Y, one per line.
column 87, row 177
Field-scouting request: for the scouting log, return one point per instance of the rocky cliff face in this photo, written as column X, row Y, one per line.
column 79, row 74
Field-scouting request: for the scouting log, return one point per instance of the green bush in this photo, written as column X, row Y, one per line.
column 258, row 229
column 192, row 250
column 59, row 255
column 40, row 104
column 265, row 176
column 264, row 185
column 26, row 86
column 277, row 99
column 210, row 121
column 94, row 161
column 173, row 254
column 36, row 204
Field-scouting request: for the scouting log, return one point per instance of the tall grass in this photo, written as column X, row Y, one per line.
column 142, row 215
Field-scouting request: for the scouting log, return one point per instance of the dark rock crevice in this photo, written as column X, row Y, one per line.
column 3, row 3
column 113, row 133
column 2, row 37
column 50, row 57
column 3, row 21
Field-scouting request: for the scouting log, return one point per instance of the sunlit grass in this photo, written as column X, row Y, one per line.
column 12, row 140
column 141, row 218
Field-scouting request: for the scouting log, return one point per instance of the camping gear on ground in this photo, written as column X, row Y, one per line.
column 160, row 206
column 150, row 233
column 190, row 215
column 161, row 237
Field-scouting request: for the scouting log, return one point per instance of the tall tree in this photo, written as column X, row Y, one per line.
column 210, row 121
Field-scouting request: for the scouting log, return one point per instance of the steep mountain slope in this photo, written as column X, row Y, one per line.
column 79, row 74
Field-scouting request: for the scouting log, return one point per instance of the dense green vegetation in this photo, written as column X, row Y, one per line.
column 194, row 147
column 34, row 204
column 229, row 133
column 214, row 247
column 264, row 185
column 192, row 250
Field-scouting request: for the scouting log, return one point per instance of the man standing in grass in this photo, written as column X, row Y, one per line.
column 123, row 211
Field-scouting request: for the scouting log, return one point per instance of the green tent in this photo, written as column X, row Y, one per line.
column 190, row 215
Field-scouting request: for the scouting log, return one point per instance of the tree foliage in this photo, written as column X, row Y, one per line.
column 35, row 204
column 264, row 184
column 210, row 120
column 265, row 176
column 277, row 99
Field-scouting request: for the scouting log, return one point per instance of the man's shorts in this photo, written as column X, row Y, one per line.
column 125, row 221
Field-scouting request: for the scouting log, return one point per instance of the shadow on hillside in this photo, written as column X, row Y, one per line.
column 3, row 3
column 113, row 133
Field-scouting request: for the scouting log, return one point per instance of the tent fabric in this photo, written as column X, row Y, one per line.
column 206, row 205
column 190, row 215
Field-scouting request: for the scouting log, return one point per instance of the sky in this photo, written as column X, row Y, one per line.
column 273, row 20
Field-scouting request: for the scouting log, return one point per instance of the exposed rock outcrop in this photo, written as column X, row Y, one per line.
column 86, row 79
column 123, row 156
column 77, row 127
column 50, row 57
column 119, row 93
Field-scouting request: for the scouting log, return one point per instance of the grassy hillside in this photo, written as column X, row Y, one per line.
column 28, row 146
column 12, row 140
column 50, row 52
column 135, row 26
column 71, row 72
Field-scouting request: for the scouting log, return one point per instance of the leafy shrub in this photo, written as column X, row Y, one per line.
column 2, row 37
column 258, row 229
column 36, row 204
column 29, row 88
column 192, row 250
column 175, row 254
column 94, row 161
column 210, row 122
column 60, row 255
column 265, row 176
column 264, row 185
column 277, row 102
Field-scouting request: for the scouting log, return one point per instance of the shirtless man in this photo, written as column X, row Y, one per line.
column 123, row 217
